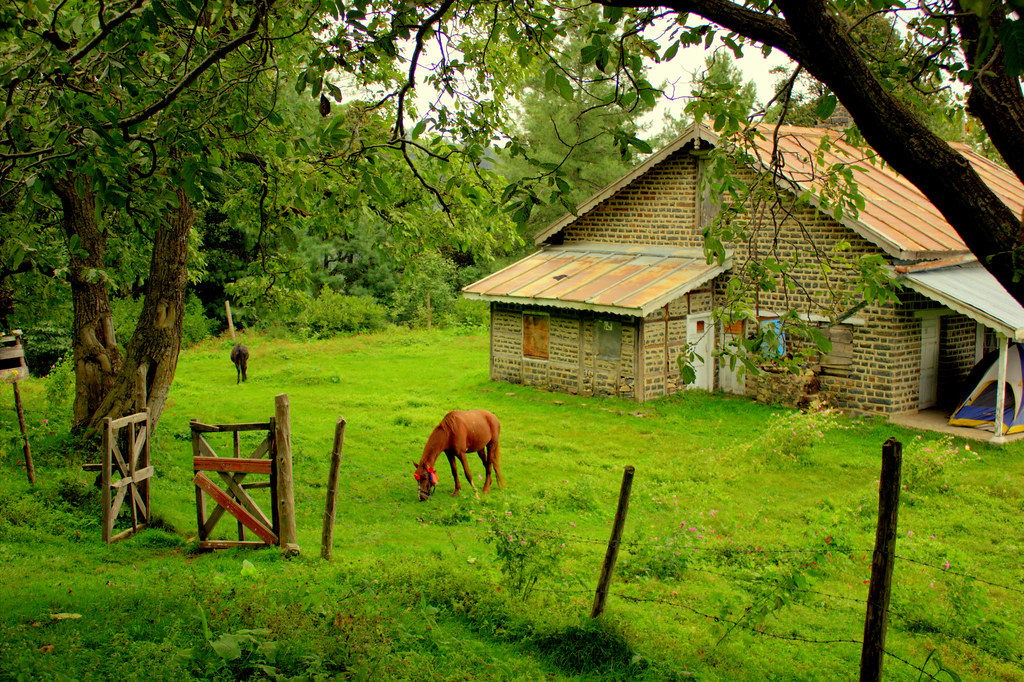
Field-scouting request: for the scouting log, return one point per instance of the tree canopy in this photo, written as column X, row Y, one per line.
column 122, row 124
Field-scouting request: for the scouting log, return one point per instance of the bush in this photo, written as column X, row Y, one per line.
column 469, row 314
column 44, row 345
column 789, row 436
column 931, row 464
column 332, row 313
column 525, row 552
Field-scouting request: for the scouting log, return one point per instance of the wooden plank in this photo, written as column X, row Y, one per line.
column 205, row 450
column 117, row 424
column 138, row 477
column 213, row 428
column 115, row 506
column 128, row 532
column 256, row 484
column 262, row 449
column 243, row 497
column 235, row 509
column 140, row 443
column 11, row 353
column 249, row 466
column 200, row 498
column 228, row 544
column 105, row 481
column 115, row 453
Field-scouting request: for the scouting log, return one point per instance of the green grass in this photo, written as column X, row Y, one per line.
column 749, row 532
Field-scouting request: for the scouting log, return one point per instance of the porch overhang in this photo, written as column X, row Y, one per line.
column 971, row 290
column 619, row 279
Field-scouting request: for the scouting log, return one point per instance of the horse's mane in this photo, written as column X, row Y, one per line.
column 439, row 438
column 448, row 423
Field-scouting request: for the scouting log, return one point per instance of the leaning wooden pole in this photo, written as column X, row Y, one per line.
column 29, row 468
column 285, row 486
column 612, row 554
column 877, row 619
column 327, row 538
column 231, row 323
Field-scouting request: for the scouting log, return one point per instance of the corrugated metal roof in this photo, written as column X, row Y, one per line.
column 897, row 217
column 625, row 280
column 972, row 291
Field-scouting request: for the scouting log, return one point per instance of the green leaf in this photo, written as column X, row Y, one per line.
column 418, row 130
column 612, row 14
column 227, row 647
column 826, row 105
column 564, row 87
column 1011, row 35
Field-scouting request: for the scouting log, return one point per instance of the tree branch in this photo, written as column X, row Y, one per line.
column 214, row 57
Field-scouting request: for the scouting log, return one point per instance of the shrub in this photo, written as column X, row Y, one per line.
column 930, row 464
column 467, row 314
column 331, row 313
column 525, row 552
column 595, row 647
column 789, row 436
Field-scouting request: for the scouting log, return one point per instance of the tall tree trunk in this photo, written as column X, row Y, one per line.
column 97, row 359
column 157, row 339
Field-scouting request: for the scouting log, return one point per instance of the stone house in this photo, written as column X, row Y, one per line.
column 618, row 290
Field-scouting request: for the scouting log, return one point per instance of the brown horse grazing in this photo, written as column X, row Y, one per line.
column 458, row 433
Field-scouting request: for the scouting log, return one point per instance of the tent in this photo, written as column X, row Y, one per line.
column 979, row 407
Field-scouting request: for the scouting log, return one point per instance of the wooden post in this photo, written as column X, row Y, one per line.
column 604, row 582
column 285, row 491
column 29, row 468
column 998, row 438
column 327, row 538
column 877, row 619
column 200, row 500
column 231, row 324
column 108, row 461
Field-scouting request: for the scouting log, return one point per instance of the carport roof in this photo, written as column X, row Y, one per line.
column 618, row 279
column 970, row 289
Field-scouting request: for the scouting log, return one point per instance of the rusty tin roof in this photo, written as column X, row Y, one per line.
column 896, row 216
column 624, row 280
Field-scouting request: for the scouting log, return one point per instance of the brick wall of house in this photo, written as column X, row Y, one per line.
column 573, row 364
column 659, row 208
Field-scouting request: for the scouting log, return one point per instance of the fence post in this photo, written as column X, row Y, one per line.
column 285, row 491
column 604, row 582
column 231, row 324
column 327, row 539
column 29, row 468
column 877, row 619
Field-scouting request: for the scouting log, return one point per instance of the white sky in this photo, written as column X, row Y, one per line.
column 690, row 62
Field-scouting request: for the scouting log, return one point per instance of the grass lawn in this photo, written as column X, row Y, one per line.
column 746, row 557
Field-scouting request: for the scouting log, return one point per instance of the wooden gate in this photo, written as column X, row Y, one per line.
column 235, row 498
column 134, row 470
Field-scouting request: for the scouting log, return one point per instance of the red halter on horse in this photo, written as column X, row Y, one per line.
column 458, row 433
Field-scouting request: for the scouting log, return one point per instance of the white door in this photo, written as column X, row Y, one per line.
column 701, row 336
column 729, row 380
column 929, row 362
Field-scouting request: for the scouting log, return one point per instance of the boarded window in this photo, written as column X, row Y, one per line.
column 839, row 360
column 608, row 340
column 535, row 336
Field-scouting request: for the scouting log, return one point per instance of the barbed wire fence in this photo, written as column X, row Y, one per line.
column 856, row 610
